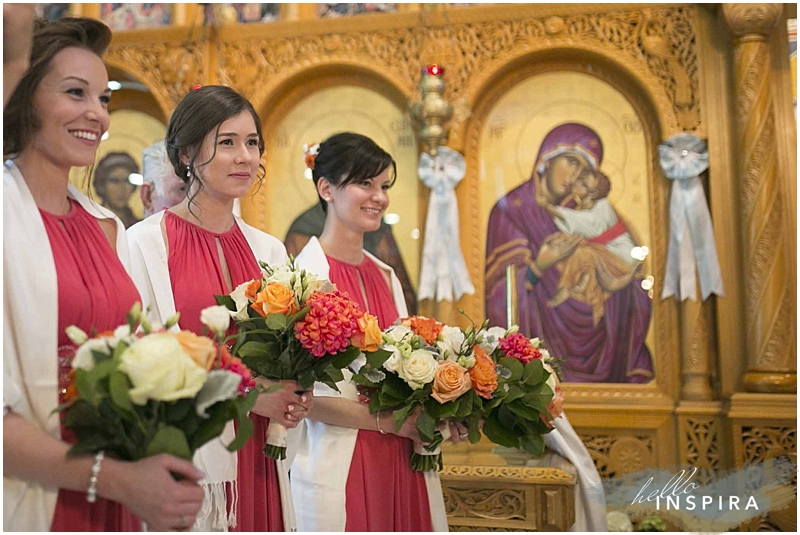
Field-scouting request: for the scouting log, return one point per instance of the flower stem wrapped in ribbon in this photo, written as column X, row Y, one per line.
column 292, row 326
column 139, row 394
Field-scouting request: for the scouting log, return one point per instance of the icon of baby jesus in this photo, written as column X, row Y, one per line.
column 602, row 263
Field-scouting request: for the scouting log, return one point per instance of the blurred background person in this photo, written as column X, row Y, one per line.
column 17, row 35
column 113, row 186
column 161, row 188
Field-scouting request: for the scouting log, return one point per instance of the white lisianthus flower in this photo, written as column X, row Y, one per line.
column 398, row 333
column 491, row 339
column 467, row 362
column 512, row 330
column 545, row 355
column 418, row 369
column 122, row 334
column 83, row 357
column 552, row 381
column 216, row 318
column 77, row 336
column 160, row 369
column 282, row 274
column 536, row 342
column 618, row 521
column 313, row 285
column 394, row 362
column 451, row 340
column 242, row 302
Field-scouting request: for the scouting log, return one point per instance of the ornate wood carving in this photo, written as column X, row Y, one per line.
column 701, row 446
column 770, row 299
column 617, row 455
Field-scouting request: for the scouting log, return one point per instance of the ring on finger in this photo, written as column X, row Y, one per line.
column 462, row 436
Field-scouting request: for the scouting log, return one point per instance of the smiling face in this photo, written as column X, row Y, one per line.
column 359, row 206
column 234, row 158
column 71, row 104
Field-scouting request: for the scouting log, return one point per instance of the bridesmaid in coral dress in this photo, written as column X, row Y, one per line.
column 352, row 472
column 197, row 249
column 66, row 264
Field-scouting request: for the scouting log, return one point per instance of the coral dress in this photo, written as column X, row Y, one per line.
column 94, row 292
column 196, row 277
column 382, row 492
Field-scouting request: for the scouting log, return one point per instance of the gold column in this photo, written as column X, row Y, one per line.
column 770, row 301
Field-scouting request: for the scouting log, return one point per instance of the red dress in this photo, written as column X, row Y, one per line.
column 383, row 493
column 196, row 277
column 94, row 292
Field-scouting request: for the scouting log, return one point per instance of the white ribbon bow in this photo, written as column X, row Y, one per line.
column 683, row 157
column 444, row 271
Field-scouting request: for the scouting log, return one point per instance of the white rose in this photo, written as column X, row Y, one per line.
column 393, row 362
column 282, row 274
column 83, row 357
column 160, row 369
column 77, row 336
column 216, row 318
column 491, row 339
column 451, row 340
column 241, row 301
column 418, row 369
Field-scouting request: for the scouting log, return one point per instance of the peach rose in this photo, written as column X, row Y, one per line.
column 252, row 289
column 368, row 337
column 202, row 350
column 483, row 374
column 450, row 382
column 428, row 328
column 275, row 298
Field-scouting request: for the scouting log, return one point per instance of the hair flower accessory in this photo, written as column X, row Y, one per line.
column 311, row 152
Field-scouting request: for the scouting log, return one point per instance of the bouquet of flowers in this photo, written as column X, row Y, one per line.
column 135, row 393
column 466, row 376
column 292, row 326
column 528, row 395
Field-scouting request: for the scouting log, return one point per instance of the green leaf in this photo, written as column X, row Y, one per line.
column 376, row 359
column 245, row 427
column 257, row 349
column 85, row 383
column 443, row 410
column 169, row 440
column 474, row 428
column 118, row 388
column 226, row 301
column 276, row 322
column 522, row 410
column 533, row 373
column 345, row 358
column 533, row 443
column 297, row 316
column 306, row 379
column 514, row 392
column 426, row 425
column 497, row 433
column 514, row 365
column 465, row 408
column 401, row 415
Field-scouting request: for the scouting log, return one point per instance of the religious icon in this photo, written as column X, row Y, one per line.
column 578, row 263
column 113, row 186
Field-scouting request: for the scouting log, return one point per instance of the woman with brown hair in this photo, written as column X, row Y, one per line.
column 65, row 264
column 198, row 248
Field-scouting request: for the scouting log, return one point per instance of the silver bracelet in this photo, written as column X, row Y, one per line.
column 378, row 420
column 91, row 494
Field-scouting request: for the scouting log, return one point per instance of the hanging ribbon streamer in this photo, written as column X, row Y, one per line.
column 444, row 272
column 683, row 157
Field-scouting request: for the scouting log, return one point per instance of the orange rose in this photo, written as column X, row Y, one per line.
column 252, row 289
column 450, row 382
column 428, row 328
column 483, row 374
column 275, row 298
column 202, row 350
column 368, row 338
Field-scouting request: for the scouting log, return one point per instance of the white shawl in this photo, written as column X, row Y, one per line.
column 151, row 275
column 30, row 334
column 320, row 469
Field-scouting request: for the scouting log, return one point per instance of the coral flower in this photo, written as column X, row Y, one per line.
column 368, row 338
column 252, row 289
column 428, row 328
column 331, row 321
column 483, row 374
column 235, row 365
column 519, row 347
